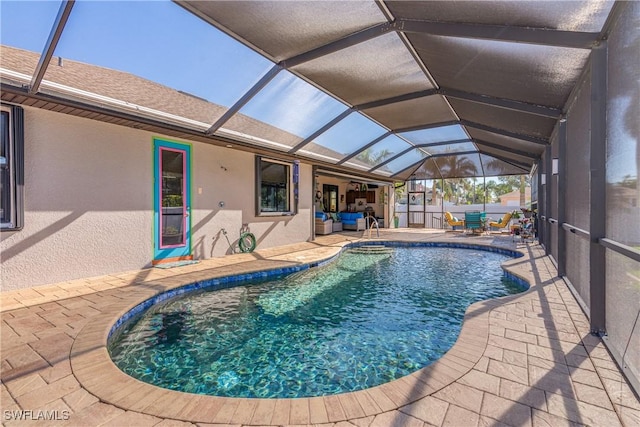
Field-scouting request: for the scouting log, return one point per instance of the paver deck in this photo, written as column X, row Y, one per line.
column 521, row 360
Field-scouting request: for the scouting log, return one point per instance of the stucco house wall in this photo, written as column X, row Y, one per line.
column 88, row 202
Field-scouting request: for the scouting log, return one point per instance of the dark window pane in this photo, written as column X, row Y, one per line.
column 5, row 170
column 172, row 198
column 274, row 187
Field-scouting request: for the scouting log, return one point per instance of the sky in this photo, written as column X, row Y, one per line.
column 151, row 39
column 155, row 40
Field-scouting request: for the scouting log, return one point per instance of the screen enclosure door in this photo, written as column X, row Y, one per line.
column 416, row 209
column 172, row 194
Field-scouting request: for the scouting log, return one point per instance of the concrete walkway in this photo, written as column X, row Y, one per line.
column 522, row 360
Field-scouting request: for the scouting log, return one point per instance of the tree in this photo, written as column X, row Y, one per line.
column 371, row 158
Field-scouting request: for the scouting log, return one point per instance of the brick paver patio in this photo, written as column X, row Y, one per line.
column 522, row 360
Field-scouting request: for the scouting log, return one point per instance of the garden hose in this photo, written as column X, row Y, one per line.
column 247, row 242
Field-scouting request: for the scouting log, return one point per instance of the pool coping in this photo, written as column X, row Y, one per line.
column 98, row 374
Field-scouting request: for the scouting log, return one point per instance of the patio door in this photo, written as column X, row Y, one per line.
column 172, row 204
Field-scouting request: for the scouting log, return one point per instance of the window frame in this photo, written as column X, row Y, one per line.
column 291, row 171
column 15, row 166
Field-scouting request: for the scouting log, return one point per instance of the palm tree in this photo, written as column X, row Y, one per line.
column 453, row 168
column 369, row 157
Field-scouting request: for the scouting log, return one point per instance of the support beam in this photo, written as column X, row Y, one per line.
column 270, row 75
column 509, row 104
column 50, row 45
column 561, row 199
column 507, row 149
column 396, row 99
column 413, row 147
column 322, row 130
column 598, row 189
column 392, row 158
column 523, row 137
column 429, row 126
column 547, row 201
column 540, row 36
column 343, row 43
column 526, row 167
column 369, row 145
column 450, row 142
column 416, row 164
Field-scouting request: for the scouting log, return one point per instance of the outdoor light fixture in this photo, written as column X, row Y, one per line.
column 554, row 166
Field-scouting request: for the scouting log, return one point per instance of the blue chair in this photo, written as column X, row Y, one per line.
column 473, row 221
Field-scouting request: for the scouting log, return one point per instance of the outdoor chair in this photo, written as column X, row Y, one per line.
column 453, row 221
column 323, row 224
column 473, row 221
column 502, row 223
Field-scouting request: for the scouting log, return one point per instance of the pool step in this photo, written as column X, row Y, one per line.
column 372, row 249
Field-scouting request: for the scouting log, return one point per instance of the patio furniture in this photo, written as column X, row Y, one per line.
column 323, row 224
column 453, row 221
column 337, row 224
column 527, row 230
column 473, row 221
column 502, row 222
column 352, row 221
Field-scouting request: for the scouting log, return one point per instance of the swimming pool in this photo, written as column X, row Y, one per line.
column 357, row 322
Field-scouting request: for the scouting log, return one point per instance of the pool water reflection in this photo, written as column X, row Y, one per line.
column 357, row 322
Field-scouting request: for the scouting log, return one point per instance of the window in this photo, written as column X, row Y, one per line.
column 275, row 187
column 11, row 167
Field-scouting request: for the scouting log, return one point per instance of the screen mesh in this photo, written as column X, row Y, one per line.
column 420, row 111
column 530, row 73
column 623, row 190
column 622, row 308
column 578, row 265
column 578, row 158
column 502, row 118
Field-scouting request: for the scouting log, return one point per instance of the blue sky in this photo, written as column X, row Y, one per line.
column 151, row 39
column 160, row 41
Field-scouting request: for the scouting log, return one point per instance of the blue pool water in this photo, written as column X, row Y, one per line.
column 357, row 322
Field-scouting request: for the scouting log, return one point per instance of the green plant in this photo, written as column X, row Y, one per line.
column 171, row 201
column 515, row 214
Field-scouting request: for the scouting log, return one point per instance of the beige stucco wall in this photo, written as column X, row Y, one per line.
column 224, row 175
column 89, row 197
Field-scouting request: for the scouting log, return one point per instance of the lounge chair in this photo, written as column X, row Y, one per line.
column 502, row 223
column 453, row 221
